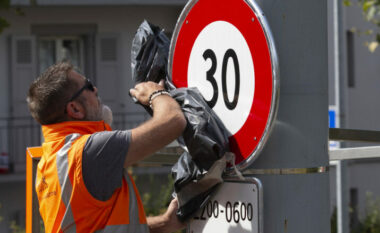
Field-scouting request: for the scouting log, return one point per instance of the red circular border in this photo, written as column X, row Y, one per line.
column 241, row 15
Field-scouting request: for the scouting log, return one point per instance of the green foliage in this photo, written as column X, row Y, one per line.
column 157, row 195
column 371, row 222
column 347, row 2
column 371, row 10
column 16, row 228
column 371, row 13
column 334, row 222
column 156, row 202
column 4, row 5
column 3, row 24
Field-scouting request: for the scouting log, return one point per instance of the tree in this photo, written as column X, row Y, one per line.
column 371, row 13
column 4, row 5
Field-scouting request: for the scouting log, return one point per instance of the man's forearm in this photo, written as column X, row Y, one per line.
column 167, row 124
column 158, row 224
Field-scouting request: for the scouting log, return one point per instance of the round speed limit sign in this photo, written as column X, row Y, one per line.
column 225, row 49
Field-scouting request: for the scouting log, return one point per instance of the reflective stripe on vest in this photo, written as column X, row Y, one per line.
column 68, row 222
column 133, row 213
column 134, row 222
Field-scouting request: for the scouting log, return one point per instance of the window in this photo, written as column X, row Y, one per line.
column 56, row 49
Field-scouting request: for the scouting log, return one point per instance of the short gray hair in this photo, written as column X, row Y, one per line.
column 49, row 94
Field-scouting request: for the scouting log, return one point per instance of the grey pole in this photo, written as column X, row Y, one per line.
column 341, row 197
column 341, row 166
column 292, row 164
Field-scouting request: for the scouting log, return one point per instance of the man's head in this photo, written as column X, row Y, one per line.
column 61, row 94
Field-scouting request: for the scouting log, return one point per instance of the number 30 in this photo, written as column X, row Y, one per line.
column 230, row 53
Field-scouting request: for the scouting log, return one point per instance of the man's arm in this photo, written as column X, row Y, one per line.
column 166, row 223
column 167, row 123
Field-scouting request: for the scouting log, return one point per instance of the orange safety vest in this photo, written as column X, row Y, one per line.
column 65, row 203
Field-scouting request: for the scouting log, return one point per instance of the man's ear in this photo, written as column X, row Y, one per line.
column 75, row 110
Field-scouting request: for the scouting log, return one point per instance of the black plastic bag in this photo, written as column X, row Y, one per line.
column 149, row 54
column 205, row 136
column 205, row 139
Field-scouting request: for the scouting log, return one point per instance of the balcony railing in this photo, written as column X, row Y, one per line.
column 18, row 133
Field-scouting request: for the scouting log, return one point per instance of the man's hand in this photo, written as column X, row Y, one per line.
column 172, row 217
column 142, row 91
column 168, row 222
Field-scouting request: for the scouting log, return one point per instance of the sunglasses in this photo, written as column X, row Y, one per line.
column 88, row 85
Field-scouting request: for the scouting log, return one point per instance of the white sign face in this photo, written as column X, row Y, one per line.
column 235, row 208
column 225, row 75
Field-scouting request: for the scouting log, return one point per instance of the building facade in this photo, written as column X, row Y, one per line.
column 354, row 84
column 96, row 37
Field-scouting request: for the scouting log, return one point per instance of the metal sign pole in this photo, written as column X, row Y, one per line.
column 293, row 166
column 341, row 197
column 341, row 166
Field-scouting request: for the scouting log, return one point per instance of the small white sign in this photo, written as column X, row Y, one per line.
column 236, row 207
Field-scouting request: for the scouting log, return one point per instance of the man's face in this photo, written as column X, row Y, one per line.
column 89, row 99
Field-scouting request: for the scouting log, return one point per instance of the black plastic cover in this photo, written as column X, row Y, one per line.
column 205, row 139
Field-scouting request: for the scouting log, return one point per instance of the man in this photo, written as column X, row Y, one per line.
column 81, row 182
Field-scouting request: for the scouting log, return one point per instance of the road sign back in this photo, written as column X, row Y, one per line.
column 225, row 49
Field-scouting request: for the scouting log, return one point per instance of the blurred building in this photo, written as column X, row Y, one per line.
column 96, row 36
column 353, row 97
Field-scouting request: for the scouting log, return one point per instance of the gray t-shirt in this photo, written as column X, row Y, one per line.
column 103, row 162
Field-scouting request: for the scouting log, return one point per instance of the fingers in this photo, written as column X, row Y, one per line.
column 174, row 222
column 173, row 206
column 132, row 92
column 162, row 83
column 143, row 90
